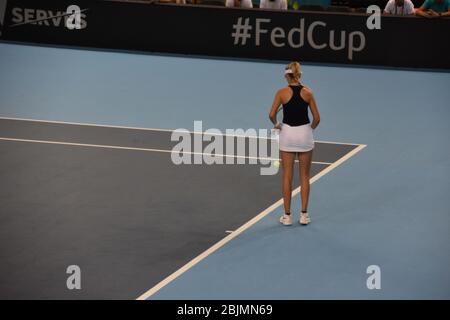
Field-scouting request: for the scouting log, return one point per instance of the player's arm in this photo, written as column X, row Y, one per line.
column 275, row 106
column 421, row 12
column 313, row 106
column 424, row 10
column 411, row 9
column 433, row 13
column 445, row 14
column 388, row 8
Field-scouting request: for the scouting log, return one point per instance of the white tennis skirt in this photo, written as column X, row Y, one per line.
column 296, row 139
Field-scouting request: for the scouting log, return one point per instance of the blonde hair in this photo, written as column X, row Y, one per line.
column 296, row 71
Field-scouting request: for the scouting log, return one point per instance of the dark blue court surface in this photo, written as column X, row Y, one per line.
column 111, row 200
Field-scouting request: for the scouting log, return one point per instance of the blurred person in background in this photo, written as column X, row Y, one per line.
column 434, row 8
column 238, row 3
column 274, row 4
column 172, row 1
column 400, row 7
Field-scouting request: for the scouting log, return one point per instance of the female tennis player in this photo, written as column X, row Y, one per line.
column 296, row 137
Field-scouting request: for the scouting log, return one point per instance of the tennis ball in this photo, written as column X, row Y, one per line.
column 276, row 163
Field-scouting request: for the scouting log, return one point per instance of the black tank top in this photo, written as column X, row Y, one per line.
column 295, row 111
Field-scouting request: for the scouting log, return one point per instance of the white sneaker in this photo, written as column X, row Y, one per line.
column 304, row 218
column 286, row 220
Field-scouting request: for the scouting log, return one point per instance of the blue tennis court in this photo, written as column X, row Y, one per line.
column 81, row 182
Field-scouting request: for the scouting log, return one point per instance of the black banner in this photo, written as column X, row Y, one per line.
column 228, row 309
column 227, row 32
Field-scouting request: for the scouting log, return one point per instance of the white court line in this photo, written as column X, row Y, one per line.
column 154, row 129
column 244, row 227
column 218, row 155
